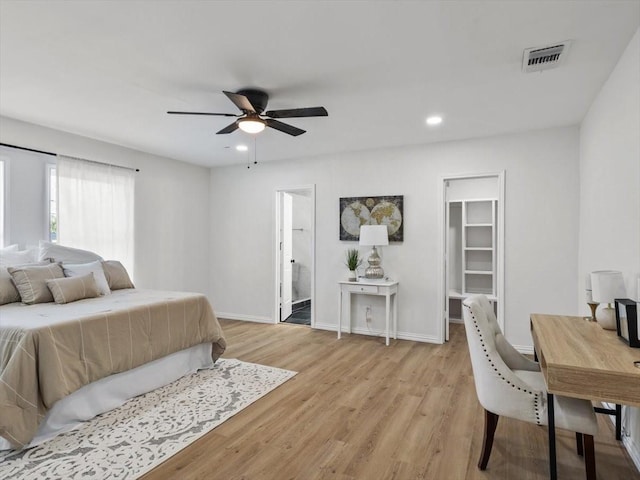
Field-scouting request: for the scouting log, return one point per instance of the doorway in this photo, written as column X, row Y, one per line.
column 472, row 244
column 295, row 255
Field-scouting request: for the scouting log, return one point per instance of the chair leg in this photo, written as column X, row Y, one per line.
column 490, row 424
column 589, row 457
column 618, row 421
column 579, row 444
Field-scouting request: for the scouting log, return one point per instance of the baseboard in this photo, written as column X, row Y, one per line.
column 633, row 448
column 380, row 333
column 246, row 318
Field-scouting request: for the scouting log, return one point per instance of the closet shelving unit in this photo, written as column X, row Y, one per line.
column 473, row 252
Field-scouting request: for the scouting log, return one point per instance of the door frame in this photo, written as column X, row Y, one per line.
column 277, row 254
column 443, row 215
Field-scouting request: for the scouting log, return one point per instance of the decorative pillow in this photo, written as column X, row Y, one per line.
column 31, row 282
column 59, row 253
column 18, row 257
column 65, row 290
column 117, row 275
column 8, row 291
column 74, row 270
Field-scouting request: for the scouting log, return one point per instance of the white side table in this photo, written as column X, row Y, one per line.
column 388, row 289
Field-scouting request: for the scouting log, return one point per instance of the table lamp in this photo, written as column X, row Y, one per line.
column 607, row 285
column 592, row 305
column 374, row 236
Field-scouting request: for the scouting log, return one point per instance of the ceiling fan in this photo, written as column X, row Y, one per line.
column 252, row 102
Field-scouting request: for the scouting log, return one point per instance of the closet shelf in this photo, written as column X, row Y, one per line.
column 478, row 272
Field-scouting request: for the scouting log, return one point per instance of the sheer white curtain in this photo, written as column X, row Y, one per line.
column 95, row 208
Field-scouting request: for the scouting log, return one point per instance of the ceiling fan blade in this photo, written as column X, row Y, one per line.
column 283, row 127
column 203, row 113
column 298, row 112
column 240, row 101
column 229, row 128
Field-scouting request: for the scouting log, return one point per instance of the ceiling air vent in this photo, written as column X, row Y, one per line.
column 544, row 58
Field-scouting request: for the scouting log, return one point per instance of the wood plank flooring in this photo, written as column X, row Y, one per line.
column 360, row 410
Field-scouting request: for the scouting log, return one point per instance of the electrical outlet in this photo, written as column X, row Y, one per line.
column 368, row 314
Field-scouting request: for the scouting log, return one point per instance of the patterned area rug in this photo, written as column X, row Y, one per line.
column 136, row 437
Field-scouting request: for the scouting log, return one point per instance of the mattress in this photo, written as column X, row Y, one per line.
column 48, row 351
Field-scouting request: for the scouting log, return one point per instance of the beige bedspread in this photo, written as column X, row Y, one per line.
column 48, row 351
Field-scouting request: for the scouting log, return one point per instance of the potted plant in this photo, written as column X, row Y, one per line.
column 353, row 261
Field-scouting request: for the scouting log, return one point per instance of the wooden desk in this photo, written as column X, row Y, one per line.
column 580, row 359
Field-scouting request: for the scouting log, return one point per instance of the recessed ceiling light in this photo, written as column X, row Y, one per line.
column 434, row 120
column 242, row 148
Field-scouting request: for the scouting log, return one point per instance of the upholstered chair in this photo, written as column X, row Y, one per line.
column 511, row 385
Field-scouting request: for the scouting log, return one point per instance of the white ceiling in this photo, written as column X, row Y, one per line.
column 110, row 70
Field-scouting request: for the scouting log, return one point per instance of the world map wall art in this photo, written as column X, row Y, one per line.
column 358, row 211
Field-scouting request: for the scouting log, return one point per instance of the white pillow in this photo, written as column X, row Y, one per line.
column 10, row 248
column 77, row 270
column 11, row 258
column 59, row 253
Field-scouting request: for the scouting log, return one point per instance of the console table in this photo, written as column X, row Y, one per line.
column 388, row 289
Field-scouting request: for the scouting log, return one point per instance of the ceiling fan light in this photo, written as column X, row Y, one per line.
column 251, row 125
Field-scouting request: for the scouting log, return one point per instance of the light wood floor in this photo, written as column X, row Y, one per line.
column 360, row 410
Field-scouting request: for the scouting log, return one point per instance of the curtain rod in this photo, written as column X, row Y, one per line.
column 55, row 155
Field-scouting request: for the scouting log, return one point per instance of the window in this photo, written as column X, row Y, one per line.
column 52, row 205
column 95, row 208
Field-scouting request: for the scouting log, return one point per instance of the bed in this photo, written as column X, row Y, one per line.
column 79, row 359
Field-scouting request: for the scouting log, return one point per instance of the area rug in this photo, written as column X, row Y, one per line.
column 129, row 441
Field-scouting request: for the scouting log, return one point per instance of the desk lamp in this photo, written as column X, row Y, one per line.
column 607, row 285
column 374, row 236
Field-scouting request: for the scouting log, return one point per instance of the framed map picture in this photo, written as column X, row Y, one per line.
column 357, row 211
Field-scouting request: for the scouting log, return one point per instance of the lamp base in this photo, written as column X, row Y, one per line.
column 374, row 270
column 606, row 317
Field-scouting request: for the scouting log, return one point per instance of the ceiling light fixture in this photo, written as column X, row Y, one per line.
column 434, row 120
column 251, row 124
column 242, row 148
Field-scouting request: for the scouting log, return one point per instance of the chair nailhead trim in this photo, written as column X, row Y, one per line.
column 484, row 349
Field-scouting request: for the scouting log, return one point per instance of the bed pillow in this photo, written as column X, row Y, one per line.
column 117, row 275
column 62, row 254
column 70, row 289
column 31, row 281
column 9, row 248
column 8, row 291
column 18, row 257
column 78, row 269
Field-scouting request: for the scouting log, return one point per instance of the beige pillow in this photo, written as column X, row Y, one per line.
column 31, row 282
column 117, row 275
column 70, row 289
column 8, row 291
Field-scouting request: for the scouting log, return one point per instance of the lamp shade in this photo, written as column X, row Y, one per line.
column 374, row 235
column 251, row 124
column 607, row 285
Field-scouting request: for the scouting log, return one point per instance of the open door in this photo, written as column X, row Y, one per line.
column 472, row 244
column 286, row 290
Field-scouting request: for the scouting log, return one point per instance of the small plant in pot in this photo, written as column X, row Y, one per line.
column 353, row 261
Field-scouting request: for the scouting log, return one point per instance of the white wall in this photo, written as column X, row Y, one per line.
column 171, row 205
column 541, row 224
column 610, row 189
